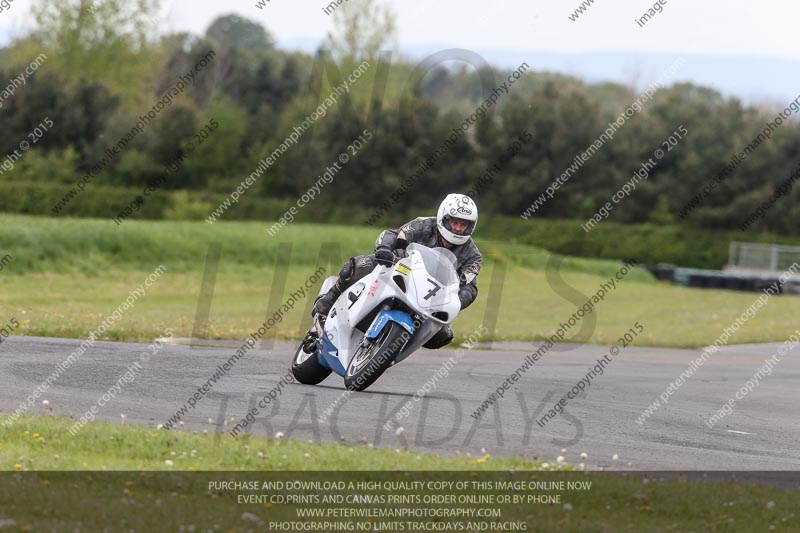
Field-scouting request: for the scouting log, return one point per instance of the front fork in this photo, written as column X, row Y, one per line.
column 365, row 342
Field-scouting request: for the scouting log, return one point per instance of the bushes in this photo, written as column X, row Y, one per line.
column 185, row 207
column 102, row 201
column 32, row 198
column 58, row 166
column 646, row 243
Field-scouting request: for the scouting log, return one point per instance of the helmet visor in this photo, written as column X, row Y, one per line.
column 459, row 226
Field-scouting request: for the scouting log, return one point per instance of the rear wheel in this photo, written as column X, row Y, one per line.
column 374, row 357
column 305, row 365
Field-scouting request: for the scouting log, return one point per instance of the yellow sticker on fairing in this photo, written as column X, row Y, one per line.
column 403, row 269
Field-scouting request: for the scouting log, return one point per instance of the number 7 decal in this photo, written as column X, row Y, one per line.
column 433, row 291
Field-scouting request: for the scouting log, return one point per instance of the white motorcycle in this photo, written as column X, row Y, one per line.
column 382, row 319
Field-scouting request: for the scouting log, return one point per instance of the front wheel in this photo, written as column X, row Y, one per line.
column 374, row 357
column 305, row 365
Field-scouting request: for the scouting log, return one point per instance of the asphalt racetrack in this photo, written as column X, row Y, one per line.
column 761, row 433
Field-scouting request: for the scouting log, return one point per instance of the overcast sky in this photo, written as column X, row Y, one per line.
column 715, row 26
column 505, row 30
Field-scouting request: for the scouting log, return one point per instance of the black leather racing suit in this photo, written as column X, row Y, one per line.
column 422, row 230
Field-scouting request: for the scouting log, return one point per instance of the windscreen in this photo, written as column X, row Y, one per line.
column 439, row 262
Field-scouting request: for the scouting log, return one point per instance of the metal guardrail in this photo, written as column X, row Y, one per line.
column 755, row 257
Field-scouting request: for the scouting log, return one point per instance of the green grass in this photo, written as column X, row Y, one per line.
column 67, row 275
column 44, row 443
column 680, row 243
column 131, row 495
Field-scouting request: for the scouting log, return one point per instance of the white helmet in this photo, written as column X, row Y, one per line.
column 457, row 206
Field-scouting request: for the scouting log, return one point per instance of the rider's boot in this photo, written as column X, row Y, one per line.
column 324, row 302
column 347, row 276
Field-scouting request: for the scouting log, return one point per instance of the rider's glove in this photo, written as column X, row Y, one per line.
column 384, row 256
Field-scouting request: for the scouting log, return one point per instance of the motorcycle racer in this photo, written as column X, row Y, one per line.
column 451, row 228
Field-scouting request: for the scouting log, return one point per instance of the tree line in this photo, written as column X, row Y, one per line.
column 107, row 66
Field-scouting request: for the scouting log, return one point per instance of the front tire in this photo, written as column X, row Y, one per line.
column 305, row 365
column 372, row 360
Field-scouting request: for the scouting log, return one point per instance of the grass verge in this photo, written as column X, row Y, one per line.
column 140, row 495
column 68, row 275
column 44, row 443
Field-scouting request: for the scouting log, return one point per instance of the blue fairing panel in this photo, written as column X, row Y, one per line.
column 326, row 355
column 385, row 317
